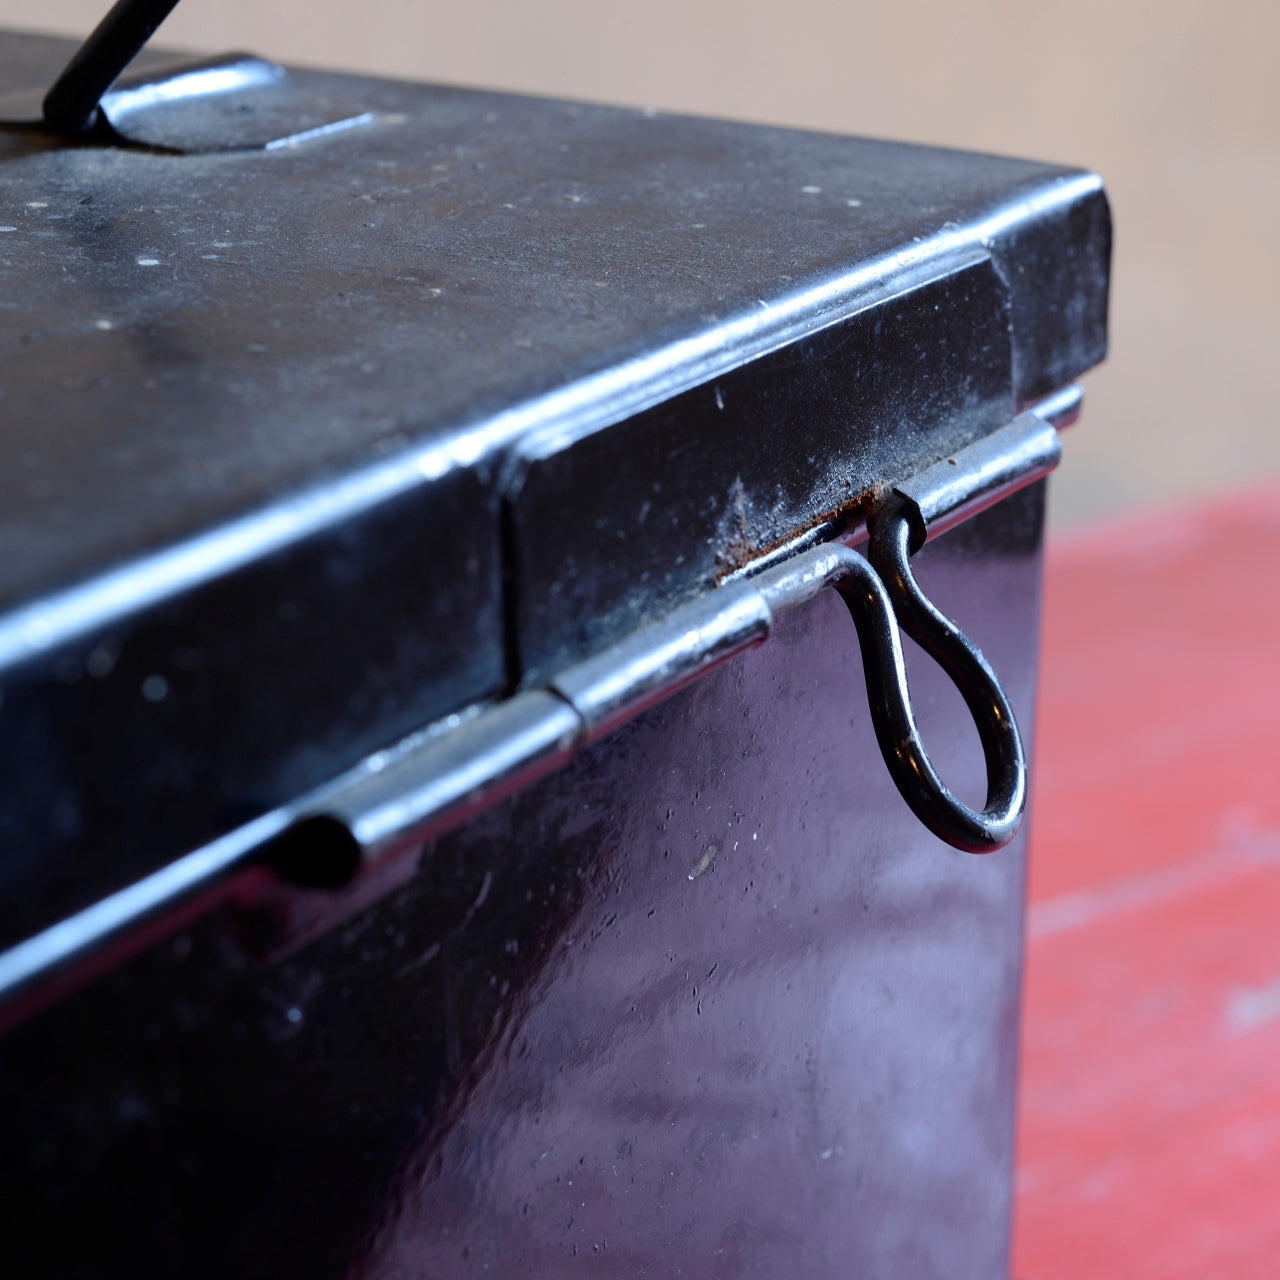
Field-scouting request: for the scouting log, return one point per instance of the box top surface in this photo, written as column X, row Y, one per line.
column 188, row 338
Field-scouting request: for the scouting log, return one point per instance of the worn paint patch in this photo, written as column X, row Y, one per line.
column 704, row 862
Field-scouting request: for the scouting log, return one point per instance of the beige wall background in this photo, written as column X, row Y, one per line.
column 1177, row 104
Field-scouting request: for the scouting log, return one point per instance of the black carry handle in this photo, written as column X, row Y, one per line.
column 71, row 105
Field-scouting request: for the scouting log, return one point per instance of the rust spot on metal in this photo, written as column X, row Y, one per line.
column 739, row 546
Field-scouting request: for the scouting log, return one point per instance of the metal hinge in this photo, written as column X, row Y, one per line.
column 433, row 781
column 423, row 789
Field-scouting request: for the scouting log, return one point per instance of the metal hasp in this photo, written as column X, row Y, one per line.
column 429, row 785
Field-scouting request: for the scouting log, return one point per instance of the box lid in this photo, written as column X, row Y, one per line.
column 305, row 446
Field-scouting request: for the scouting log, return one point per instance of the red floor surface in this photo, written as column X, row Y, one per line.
column 1149, row 1124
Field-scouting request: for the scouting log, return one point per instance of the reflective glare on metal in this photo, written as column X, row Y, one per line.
column 233, row 102
column 222, row 76
column 433, row 781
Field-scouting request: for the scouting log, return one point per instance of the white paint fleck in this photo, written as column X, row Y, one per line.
column 148, row 262
column 37, row 204
column 211, row 257
column 8, row 228
column 812, row 191
column 102, row 324
column 719, row 400
column 854, row 204
column 222, row 244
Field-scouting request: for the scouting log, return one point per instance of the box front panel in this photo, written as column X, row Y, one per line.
column 708, row 1002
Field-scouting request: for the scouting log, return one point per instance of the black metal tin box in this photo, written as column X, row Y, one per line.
column 342, row 419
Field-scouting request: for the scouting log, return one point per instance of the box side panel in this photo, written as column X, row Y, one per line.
column 708, row 1002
